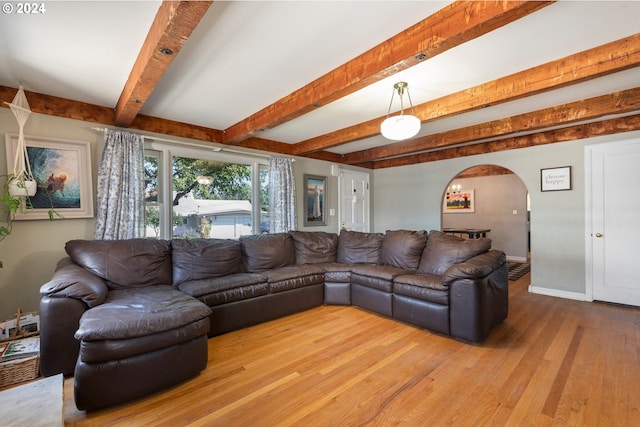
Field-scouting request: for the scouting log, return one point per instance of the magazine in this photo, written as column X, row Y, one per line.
column 18, row 349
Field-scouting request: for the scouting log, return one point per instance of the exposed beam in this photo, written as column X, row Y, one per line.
column 67, row 108
column 484, row 170
column 170, row 127
column 587, row 109
column 171, row 28
column 61, row 107
column 454, row 25
column 592, row 63
column 571, row 133
column 266, row 145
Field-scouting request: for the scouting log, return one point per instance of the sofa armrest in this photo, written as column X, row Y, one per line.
column 475, row 268
column 478, row 295
column 59, row 320
column 72, row 281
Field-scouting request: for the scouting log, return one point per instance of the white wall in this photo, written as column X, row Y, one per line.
column 496, row 199
column 410, row 197
column 34, row 247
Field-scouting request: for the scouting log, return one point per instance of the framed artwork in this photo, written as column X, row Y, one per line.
column 315, row 196
column 555, row 179
column 462, row 201
column 62, row 170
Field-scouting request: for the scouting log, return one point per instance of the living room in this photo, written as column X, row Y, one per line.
column 403, row 197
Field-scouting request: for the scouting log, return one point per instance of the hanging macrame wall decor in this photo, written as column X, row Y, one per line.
column 22, row 182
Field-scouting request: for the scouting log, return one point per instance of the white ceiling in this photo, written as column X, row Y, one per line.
column 246, row 55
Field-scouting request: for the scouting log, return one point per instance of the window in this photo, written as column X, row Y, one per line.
column 152, row 194
column 206, row 197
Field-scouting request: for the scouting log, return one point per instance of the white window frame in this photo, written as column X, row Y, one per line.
column 167, row 151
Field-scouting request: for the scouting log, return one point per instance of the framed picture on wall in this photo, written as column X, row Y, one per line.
column 62, row 170
column 315, row 196
column 461, row 201
column 555, row 179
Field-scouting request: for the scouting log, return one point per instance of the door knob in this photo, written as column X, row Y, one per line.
column 598, row 234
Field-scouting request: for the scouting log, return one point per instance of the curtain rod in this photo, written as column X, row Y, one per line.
column 191, row 144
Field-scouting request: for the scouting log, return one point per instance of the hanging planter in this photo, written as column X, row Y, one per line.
column 22, row 183
column 22, row 187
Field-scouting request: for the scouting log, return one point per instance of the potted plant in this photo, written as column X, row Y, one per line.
column 12, row 203
column 21, row 186
column 9, row 205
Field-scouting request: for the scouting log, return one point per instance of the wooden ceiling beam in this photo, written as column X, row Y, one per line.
column 172, row 26
column 600, row 61
column 484, row 170
column 61, row 107
column 570, row 133
column 587, row 109
column 454, row 25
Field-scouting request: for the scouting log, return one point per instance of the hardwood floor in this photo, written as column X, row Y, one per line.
column 552, row 362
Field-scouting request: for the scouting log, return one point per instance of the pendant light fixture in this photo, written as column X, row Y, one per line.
column 402, row 126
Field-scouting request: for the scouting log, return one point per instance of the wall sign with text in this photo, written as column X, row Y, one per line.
column 555, row 179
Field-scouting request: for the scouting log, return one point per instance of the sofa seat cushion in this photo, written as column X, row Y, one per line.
column 426, row 287
column 314, row 247
column 336, row 272
column 376, row 276
column 221, row 290
column 294, row 276
column 130, row 313
column 194, row 259
column 109, row 350
column 385, row 272
column 443, row 250
column 403, row 248
column 124, row 263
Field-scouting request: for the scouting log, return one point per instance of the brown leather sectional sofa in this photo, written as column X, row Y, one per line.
column 128, row 318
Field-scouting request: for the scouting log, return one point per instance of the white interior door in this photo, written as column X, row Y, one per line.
column 354, row 201
column 613, row 229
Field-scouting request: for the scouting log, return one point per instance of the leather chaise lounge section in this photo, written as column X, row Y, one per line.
column 132, row 317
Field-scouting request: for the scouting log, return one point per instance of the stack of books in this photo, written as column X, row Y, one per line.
column 18, row 349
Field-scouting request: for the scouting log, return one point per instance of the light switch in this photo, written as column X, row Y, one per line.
column 515, row 211
column 332, row 212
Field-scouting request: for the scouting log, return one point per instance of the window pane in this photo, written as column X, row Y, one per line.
column 151, row 184
column 152, row 221
column 211, row 199
column 152, row 195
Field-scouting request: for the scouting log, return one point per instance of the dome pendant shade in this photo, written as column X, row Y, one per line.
column 400, row 127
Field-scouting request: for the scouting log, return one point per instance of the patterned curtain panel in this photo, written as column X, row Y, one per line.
column 282, row 195
column 120, row 199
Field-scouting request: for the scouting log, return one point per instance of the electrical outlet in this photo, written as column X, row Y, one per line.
column 515, row 211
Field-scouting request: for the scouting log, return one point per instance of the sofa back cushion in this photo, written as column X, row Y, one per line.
column 443, row 250
column 262, row 252
column 403, row 248
column 126, row 263
column 315, row 247
column 195, row 259
column 359, row 248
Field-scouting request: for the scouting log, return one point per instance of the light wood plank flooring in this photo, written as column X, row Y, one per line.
column 552, row 362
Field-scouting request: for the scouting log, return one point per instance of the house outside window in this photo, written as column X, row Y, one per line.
column 193, row 195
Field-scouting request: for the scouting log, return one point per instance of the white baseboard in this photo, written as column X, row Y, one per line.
column 516, row 258
column 558, row 293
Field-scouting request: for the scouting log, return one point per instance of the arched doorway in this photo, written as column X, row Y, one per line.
column 496, row 200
